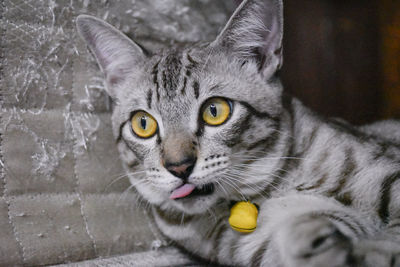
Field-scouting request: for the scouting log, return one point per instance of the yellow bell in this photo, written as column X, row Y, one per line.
column 243, row 217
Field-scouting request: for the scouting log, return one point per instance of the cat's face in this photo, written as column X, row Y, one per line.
column 205, row 120
column 190, row 122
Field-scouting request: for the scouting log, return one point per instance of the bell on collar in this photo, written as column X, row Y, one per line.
column 243, row 217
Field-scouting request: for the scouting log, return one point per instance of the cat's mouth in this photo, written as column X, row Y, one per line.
column 190, row 190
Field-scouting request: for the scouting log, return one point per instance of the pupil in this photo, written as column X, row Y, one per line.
column 143, row 122
column 213, row 110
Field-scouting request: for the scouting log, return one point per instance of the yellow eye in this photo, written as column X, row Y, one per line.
column 216, row 111
column 143, row 124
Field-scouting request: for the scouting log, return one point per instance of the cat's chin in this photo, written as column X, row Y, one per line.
column 194, row 204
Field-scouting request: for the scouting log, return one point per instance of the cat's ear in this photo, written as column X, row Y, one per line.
column 116, row 54
column 254, row 32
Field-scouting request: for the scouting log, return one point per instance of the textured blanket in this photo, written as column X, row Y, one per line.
column 64, row 196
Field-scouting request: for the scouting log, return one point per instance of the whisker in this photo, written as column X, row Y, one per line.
column 212, row 214
column 246, row 174
column 234, row 187
column 266, row 158
column 182, row 218
column 238, row 174
column 237, row 179
column 124, row 194
column 222, row 187
column 249, row 166
column 254, row 187
column 122, row 176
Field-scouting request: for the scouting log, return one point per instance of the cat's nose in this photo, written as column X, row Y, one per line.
column 181, row 169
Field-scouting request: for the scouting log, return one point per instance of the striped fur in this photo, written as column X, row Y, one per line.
column 328, row 192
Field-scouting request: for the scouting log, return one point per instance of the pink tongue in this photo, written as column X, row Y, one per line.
column 182, row 191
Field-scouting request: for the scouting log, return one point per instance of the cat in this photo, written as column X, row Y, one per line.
column 202, row 127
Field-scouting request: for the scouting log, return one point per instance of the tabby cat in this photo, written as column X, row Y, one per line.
column 202, row 127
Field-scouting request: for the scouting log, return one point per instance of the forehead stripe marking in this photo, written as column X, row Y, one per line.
column 149, row 97
column 155, row 79
column 191, row 66
column 188, row 73
column 184, row 85
column 171, row 72
column 196, row 87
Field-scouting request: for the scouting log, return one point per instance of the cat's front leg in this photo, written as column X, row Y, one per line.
column 317, row 240
column 309, row 240
column 321, row 232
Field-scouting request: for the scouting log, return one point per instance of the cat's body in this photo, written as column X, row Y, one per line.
column 326, row 191
column 322, row 174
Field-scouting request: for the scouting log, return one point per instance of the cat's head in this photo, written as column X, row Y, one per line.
column 190, row 123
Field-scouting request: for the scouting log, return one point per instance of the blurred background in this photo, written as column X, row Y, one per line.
column 342, row 58
column 63, row 195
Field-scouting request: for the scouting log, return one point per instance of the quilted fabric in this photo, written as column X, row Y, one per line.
column 64, row 197
column 162, row 257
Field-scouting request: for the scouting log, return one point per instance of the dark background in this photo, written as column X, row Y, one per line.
column 342, row 58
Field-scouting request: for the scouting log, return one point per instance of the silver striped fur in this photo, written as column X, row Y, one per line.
column 328, row 192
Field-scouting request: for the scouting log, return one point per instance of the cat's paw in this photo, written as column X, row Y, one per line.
column 371, row 253
column 314, row 242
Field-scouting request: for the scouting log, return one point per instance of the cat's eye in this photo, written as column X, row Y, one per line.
column 143, row 124
column 216, row 111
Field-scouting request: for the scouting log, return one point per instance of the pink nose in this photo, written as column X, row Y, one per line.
column 182, row 169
